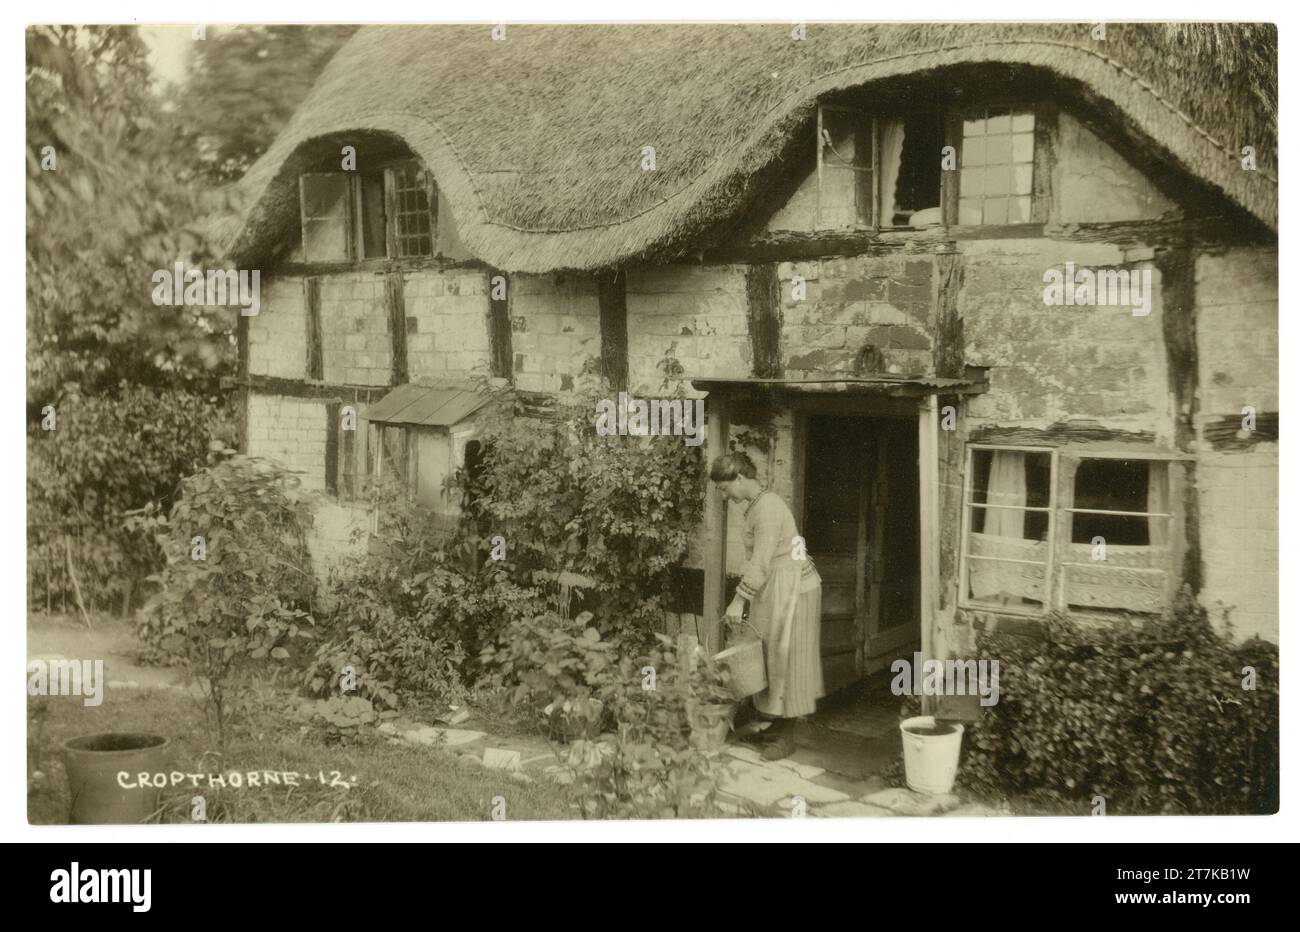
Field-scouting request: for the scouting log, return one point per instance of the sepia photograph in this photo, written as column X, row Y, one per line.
column 569, row 422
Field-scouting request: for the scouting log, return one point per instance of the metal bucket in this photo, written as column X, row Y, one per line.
column 93, row 763
column 747, row 665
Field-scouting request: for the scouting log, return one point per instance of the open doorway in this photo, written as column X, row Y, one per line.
column 862, row 523
column 861, row 519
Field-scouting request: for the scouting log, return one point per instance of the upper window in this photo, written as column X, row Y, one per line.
column 348, row 216
column 878, row 171
column 1099, row 538
column 881, row 171
column 997, row 167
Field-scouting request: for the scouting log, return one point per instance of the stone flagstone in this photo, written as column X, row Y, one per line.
column 766, row 785
column 807, row 771
column 849, row 810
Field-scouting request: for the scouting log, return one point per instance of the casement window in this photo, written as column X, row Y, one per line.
column 349, row 216
column 996, row 182
column 879, row 171
column 1079, row 531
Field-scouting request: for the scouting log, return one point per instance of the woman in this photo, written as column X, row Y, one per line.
column 784, row 593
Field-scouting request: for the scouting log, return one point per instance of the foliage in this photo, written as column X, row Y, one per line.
column 556, row 668
column 109, row 456
column 654, row 763
column 410, row 619
column 261, row 72
column 1152, row 716
column 248, row 598
column 617, row 510
column 119, row 203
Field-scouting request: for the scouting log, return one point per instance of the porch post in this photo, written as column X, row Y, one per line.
column 928, row 449
column 715, row 528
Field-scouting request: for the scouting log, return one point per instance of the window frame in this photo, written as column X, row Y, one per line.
column 952, row 116
column 1065, row 461
column 823, row 144
column 957, row 139
column 355, row 211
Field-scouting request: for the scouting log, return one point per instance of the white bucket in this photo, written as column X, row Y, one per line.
column 930, row 761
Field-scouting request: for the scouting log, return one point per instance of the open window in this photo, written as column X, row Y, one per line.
column 1048, row 529
column 878, row 171
column 348, row 216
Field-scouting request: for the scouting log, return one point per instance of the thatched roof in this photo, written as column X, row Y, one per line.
column 536, row 140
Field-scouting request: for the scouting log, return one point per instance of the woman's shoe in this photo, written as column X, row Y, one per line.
column 781, row 744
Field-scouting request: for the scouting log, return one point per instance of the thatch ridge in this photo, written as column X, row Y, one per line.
column 566, row 191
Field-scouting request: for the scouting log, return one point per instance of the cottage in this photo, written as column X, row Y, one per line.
column 842, row 243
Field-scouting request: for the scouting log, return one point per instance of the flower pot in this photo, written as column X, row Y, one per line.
column 930, row 753
column 93, row 763
column 710, row 725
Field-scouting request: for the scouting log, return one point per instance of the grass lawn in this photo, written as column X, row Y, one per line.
column 394, row 782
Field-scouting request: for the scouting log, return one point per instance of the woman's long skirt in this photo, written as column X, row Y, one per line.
column 787, row 613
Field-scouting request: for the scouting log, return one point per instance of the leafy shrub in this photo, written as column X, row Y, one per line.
column 411, row 620
column 1152, row 716
column 556, row 668
column 248, row 598
column 617, row 510
column 108, row 456
column 652, row 764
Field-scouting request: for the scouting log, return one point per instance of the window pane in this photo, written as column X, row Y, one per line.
column 1022, row 147
column 970, row 210
column 973, row 152
column 1007, row 547
column 413, row 224
column 999, row 123
column 1019, row 210
column 325, row 217
column 846, row 179
column 998, row 183
column 325, row 195
column 998, row 150
column 1022, row 179
column 1022, row 122
column 972, row 182
column 1117, row 485
column 325, row 240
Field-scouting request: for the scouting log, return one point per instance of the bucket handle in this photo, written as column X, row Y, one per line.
column 725, row 626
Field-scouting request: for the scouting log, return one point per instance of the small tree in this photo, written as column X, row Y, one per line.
column 237, row 587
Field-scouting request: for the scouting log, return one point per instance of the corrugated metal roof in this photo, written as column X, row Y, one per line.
column 427, row 405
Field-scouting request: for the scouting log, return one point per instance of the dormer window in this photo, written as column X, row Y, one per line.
column 354, row 215
column 880, row 171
